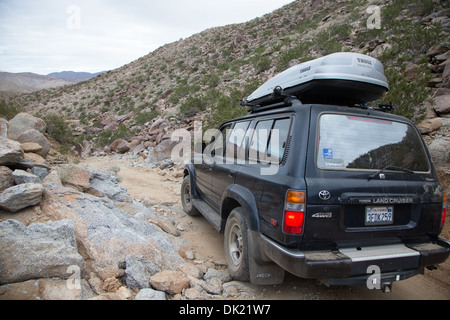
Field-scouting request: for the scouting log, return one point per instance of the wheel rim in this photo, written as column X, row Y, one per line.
column 187, row 196
column 235, row 245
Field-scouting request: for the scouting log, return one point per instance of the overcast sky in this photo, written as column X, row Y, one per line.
column 44, row 36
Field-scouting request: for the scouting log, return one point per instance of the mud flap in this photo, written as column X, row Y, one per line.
column 262, row 272
column 265, row 274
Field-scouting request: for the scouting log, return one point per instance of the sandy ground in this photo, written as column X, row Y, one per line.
column 160, row 190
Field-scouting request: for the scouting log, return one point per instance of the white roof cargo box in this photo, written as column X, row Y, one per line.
column 342, row 78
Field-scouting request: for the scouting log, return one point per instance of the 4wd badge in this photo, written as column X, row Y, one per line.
column 323, row 215
column 324, row 195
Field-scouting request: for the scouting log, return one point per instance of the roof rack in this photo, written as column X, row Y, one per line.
column 277, row 95
column 280, row 99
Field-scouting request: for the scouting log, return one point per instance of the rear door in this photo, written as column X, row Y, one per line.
column 227, row 164
column 368, row 178
column 205, row 163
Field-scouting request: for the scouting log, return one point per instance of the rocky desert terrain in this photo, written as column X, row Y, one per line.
column 89, row 198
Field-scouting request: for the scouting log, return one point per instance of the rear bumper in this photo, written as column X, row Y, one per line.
column 351, row 266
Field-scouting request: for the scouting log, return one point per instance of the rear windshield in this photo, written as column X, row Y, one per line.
column 349, row 142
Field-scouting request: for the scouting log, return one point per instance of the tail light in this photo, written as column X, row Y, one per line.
column 294, row 212
column 444, row 210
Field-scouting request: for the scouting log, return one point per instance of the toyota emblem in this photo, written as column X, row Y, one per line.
column 324, row 195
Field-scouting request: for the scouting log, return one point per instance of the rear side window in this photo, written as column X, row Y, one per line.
column 269, row 141
column 258, row 145
column 277, row 145
column 349, row 142
column 236, row 139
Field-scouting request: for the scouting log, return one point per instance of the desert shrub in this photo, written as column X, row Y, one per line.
column 300, row 52
column 144, row 117
column 326, row 42
column 107, row 137
column 341, row 31
column 226, row 107
column 182, row 91
column 212, row 80
column 8, row 110
column 194, row 104
column 261, row 63
column 407, row 95
column 58, row 129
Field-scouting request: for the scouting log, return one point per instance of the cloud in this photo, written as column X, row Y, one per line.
column 44, row 36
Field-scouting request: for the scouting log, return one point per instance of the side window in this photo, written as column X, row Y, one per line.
column 258, row 144
column 219, row 140
column 269, row 141
column 236, row 138
column 278, row 140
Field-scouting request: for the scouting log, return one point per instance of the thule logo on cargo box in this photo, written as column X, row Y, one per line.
column 305, row 69
column 366, row 61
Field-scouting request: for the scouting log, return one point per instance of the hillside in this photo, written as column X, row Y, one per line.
column 207, row 73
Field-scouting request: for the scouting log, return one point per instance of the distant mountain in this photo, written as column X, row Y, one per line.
column 28, row 82
column 74, row 76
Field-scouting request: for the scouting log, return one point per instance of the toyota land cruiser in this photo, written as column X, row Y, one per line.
column 322, row 191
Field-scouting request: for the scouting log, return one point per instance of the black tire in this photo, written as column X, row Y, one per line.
column 236, row 245
column 186, row 198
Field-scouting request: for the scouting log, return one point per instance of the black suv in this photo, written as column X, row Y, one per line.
column 345, row 195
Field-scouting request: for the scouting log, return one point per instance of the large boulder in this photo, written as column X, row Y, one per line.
column 107, row 185
column 150, row 294
column 93, row 181
column 31, row 147
column 33, row 160
column 163, row 151
column 6, row 178
column 21, row 196
column 77, row 176
column 159, row 124
column 106, row 234
column 138, row 272
column 41, row 250
column 442, row 104
column 440, row 151
column 23, row 122
column 169, row 281
column 10, row 152
column 429, row 125
column 120, row 146
column 21, row 177
column 46, row 289
column 34, row 136
column 446, row 74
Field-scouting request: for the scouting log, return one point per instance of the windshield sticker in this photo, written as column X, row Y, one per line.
column 336, row 163
column 328, row 153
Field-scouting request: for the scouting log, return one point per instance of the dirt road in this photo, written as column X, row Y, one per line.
column 160, row 190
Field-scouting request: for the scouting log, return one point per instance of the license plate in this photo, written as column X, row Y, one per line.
column 379, row 216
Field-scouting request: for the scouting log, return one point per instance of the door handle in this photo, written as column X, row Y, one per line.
column 231, row 173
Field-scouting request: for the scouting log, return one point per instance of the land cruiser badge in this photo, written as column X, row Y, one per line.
column 324, row 195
